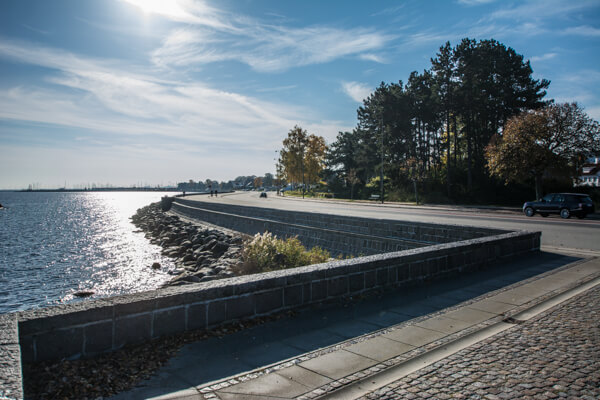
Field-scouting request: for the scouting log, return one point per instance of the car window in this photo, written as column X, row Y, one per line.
column 558, row 198
column 548, row 197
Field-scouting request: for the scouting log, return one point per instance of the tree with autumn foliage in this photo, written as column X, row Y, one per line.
column 302, row 156
column 536, row 143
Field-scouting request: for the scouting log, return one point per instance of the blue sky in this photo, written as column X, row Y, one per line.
column 159, row 91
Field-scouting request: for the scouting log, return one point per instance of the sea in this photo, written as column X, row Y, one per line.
column 54, row 244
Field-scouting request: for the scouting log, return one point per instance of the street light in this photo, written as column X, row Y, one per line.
column 382, row 158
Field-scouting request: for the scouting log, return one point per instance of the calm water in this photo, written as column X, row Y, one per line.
column 55, row 244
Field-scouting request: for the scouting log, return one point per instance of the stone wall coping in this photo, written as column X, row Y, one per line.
column 113, row 307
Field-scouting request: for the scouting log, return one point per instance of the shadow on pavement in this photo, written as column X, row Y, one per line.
column 325, row 325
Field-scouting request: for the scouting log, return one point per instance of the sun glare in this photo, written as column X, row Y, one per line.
column 169, row 8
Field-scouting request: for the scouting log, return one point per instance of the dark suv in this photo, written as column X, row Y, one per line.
column 565, row 204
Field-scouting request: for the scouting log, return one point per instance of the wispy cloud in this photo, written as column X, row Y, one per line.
column 194, row 12
column 103, row 96
column 474, row 2
column 372, row 57
column 540, row 9
column 544, row 57
column 208, row 35
column 267, row 48
column 36, row 30
column 357, row 91
column 583, row 30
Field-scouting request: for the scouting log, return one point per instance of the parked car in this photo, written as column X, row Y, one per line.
column 263, row 194
column 565, row 204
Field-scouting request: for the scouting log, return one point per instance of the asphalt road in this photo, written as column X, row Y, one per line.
column 556, row 232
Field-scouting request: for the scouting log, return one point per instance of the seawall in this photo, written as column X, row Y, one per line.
column 88, row 328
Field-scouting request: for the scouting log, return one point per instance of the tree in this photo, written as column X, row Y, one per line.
column 541, row 142
column 292, row 154
column 258, row 182
column 303, row 156
column 353, row 179
column 268, row 179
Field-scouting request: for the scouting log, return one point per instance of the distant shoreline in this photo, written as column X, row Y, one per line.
column 117, row 189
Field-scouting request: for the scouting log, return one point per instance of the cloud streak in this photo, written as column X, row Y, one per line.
column 357, row 91
column 268, row 48
column 103, row 96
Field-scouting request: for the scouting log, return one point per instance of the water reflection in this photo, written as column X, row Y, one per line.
column 55, row 244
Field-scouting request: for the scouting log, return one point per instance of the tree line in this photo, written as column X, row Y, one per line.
column 445, row 129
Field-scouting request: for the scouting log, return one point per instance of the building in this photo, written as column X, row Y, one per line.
column 590, row 173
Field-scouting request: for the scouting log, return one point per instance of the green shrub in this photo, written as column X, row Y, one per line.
column 267, row 253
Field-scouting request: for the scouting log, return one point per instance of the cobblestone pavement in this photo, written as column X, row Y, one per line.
column 554, row 355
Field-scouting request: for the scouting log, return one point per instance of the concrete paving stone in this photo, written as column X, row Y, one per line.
column 510, row 297
column 491, row 306
column 379, row 348
column 268, row 384
column 338, row 364
column 414, row 335
column 469, row 315
column 532, row 289
column 186, row 394
column 237, row 396
column 304, row 376
column 443, row 324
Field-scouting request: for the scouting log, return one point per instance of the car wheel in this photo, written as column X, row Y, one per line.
column 565, row 213
column 529, row 212
column 544, row 214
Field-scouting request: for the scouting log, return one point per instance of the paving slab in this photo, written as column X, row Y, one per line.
column 273, row 385
column 515, row 299
column 470, row 315
column 238, row 396
column 491, row 306
column 303, row 376
column 379, row 348
column 443, row 324
column 414, row 335
column 186, row 394
column 337, row 364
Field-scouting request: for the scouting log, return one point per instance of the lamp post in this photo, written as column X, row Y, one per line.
column 382, row 158
column 302, row 165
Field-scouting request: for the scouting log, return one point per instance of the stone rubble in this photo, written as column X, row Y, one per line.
column 202, row 254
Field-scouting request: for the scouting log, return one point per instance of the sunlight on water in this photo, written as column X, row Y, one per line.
column 55, row 244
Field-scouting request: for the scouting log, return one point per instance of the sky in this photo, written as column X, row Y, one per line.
column 154, row 92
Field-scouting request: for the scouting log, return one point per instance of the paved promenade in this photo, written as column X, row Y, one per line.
column 554, row 355
column 444, row 339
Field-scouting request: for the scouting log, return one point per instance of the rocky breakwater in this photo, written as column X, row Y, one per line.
column 202, row 253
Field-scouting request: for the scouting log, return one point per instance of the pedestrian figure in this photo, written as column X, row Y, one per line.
column 211, row 193
column 216, row 192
